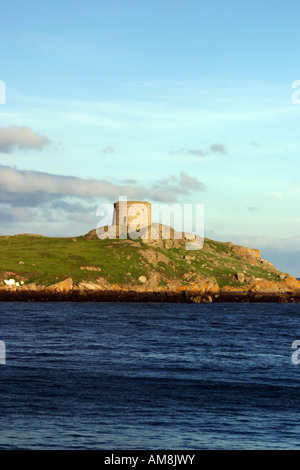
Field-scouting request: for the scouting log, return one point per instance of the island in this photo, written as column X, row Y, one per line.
column 87, row 268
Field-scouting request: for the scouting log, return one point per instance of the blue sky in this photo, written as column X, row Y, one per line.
column 166, row 100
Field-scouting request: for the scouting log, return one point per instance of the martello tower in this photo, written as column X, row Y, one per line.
column 135, row 214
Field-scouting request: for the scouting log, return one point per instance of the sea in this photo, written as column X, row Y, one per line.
column 92, row 376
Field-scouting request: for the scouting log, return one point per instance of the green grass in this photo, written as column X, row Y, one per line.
column 49, row 260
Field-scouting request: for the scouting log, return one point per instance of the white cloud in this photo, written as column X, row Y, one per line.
column 13, row 137
column 32, row 188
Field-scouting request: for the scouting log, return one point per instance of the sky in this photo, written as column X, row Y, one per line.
column 169, row 101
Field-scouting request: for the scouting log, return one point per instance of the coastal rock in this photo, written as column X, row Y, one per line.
column 288, row 285
column 241, row 277
column 88, row 286
column 100, row 284
column 212, row 286
column 63, row 286
column 268, row 265
column 249, row 254
column 292, row 283
column 149, row 285
column 200, row 286
column 264, row 285
column 202, row 300
column 31, row 286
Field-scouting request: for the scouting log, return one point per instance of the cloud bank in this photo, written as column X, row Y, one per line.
column 25, row 188
column 15, row 137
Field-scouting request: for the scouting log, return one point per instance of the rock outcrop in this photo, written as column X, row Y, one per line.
column 288, row 285
column 249, row 254
column 63, row 286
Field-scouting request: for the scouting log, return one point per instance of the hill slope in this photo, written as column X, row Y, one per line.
column 37, row 262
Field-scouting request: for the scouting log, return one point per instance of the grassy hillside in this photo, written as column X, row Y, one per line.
column 45, row 261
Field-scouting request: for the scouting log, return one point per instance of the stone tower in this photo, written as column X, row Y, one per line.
column 132, row 215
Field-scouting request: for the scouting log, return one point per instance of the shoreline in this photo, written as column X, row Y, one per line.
column 146, row 297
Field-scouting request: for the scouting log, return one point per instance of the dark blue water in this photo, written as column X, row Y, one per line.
column 149, row 376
